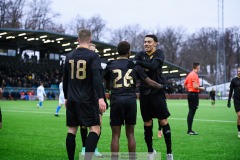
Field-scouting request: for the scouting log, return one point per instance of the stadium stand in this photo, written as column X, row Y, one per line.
column 21, row 74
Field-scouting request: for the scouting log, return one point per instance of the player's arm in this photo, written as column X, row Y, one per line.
column 185, row 86
column 143, row 77
column 230, row 95
column 139, row 56
column 152, row 83
column 185, row 83
column 156, row 62
column 65, row 81
column 149, row 65
column 97, row 82
column 196, row 86
column 107, row 79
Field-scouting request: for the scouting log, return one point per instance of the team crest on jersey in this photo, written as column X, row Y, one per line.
column 147, row 70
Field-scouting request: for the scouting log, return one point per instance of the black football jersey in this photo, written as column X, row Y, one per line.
column 123, row 78
column 78, row 76
column 156, row 74
column 235, row 85
column 212, row 94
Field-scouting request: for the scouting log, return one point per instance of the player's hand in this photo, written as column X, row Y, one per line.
column 102, row 105
column 229, row 104
column 167, row 88
column 65, row 103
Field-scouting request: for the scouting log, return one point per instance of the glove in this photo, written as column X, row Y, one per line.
column 229, row 104
column 167, row 88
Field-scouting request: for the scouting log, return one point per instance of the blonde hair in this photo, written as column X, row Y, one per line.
column 84, row 35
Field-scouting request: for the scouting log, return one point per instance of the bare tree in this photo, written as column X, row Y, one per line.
column 3, row 11
column 232, row 51
column 171, row 40
column 130, row 33
column 96, row 24
column 201, row 47
column 11, row 13
column 41, row 17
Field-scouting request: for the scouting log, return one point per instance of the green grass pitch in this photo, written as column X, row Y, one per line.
column 30, row 133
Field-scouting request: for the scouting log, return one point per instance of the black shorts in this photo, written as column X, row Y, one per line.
column 212, row 98
column 236, row 105
column 193, row 100
column 154, row 106
column 82, row 114
column 123, row 112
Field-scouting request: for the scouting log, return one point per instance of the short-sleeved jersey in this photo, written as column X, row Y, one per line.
column 123, row 78
column 41, row 91
column 235, row 85
column 156, row 74
column 78, row 75
column 61, row 88
column 212, row 94
column 191, row 77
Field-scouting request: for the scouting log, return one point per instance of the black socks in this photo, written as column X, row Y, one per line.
column 71, row 145
column 167, row 137
column 148, row 137
column 83, row 132
column 91, row 143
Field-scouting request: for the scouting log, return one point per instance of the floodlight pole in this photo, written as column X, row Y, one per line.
column 221, row 56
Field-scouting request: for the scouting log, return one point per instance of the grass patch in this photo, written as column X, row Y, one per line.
column 32, row 133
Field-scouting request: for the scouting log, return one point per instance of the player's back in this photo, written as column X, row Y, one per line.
column 40, row 91
column 212, row 93
column 122, row 79
column 78, row 66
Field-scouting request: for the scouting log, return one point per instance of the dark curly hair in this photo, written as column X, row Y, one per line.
column 123, row 48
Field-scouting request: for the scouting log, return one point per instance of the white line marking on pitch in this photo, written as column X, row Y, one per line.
column 107, row 114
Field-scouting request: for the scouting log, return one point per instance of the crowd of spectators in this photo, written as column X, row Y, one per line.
column 24, row 75
column 178, row 88
column 28, row 76
column 15, row 76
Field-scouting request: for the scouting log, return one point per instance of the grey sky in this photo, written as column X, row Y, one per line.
column 190, row 14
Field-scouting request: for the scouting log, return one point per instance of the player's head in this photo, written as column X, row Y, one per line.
column 150, row 43
column 41, row 83
column 238, row 71
column 123, row 48
column 84, row 36
column 196, row 67
column 92, row 47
